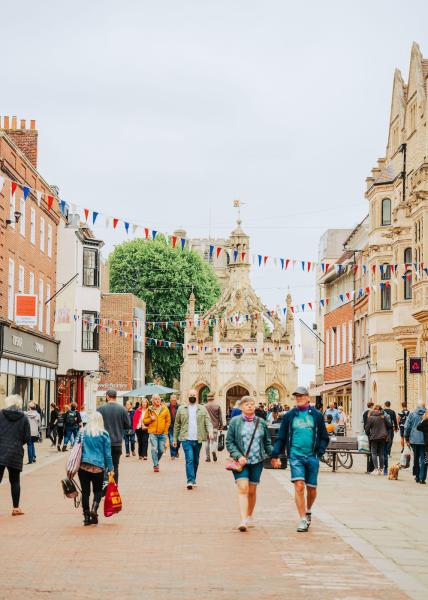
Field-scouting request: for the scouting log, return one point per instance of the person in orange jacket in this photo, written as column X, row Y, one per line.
column 158, row 420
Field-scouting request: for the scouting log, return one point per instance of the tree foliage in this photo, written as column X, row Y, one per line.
column 164, row 278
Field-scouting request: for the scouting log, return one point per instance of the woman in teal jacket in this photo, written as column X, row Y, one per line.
column 250, row 456
column 96, row 459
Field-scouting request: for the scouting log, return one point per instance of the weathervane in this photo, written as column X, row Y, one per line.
column 237, row 204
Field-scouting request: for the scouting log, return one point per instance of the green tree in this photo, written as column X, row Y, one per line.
column 164, row 278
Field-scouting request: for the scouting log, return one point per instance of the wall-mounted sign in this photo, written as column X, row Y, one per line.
column 415, row 365
column 26, row 309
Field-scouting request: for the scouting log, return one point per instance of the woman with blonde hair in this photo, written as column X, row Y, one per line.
column 140, row 429
column 14, row 433
column 96, row 459
column 249, row 444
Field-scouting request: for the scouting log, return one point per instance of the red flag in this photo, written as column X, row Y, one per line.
column 373, row 269
column 287, row 263
column 309, row 265
column 348, row 295
column 86, row 211
column 310, row 305
column 355, row 268
column 292, row 309
column 265, row 259
column 174, row 240
column 326, row 267
column 243, row 256
column 50, row 202
column 115, row 222
column 218, row 251
column 327, row 300
column 367, row 290
column 14, row 186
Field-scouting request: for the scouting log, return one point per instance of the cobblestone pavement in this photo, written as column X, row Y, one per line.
column 175, row 544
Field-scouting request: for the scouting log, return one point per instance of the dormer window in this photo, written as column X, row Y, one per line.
column 386, row 212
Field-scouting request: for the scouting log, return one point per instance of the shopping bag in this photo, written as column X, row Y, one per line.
column 112, row 500
column 363, row 443
column 75, row 458
column 406, row 455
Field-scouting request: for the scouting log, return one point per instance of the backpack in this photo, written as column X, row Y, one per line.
column 60, row 421
column 71, row 418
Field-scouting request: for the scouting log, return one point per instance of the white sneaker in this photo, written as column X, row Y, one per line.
column 303, row 525
column 250, row 522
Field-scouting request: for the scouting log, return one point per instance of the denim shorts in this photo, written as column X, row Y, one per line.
column 250, row 472
column 305, row 468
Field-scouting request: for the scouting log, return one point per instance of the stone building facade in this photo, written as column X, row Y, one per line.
column 235, row 348
column 397, row 193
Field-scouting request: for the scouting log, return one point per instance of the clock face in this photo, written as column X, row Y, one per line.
column 238, row 351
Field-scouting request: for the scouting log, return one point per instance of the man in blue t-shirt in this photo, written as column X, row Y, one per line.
column 334, row 412
column 303, row 433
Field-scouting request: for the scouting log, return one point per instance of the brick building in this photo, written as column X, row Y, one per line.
column 28, row 237
column 122, row 343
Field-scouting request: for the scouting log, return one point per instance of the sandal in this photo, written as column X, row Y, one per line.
column 17, row 512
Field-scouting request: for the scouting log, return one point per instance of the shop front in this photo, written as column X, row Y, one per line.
column 70, row 388
column 28, row 364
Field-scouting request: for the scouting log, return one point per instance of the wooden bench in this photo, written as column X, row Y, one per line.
column 344, row 444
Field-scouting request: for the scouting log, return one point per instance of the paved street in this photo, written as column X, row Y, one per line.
column 172, row 543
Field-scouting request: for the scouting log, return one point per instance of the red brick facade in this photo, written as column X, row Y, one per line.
column 25, row 139
column 27, row 248
column 116, row 351
column 338, row 331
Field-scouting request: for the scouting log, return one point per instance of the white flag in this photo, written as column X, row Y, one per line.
column 307, row 344
column 39, row 198
column 1, row 183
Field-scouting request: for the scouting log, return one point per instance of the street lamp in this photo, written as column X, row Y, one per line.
column 17, row 216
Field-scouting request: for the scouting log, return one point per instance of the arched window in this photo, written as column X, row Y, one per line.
column 385, row 299
column 386, row 211
column 408, row 256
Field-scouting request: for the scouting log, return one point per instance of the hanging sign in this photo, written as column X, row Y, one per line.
column 415, row 365
column 26, row 309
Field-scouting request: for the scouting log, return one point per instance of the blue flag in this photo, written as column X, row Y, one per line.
column 94, row 217
column 26, row 191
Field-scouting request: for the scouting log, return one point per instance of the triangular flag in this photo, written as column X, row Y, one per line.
column 26, row 191
column 62, row 205
column 265, row 259
column 115, row 222
column 39, row 197
column 183, row 243
column 50, row 202
column 86, row 211
column 235, row 255
column 243, row 256
column 281, row 260
column 154, row 232
column 126, row 226
column 134, row 229
column 1, row 183
column 146, row 233
column 94, row 217
column 14, row 186
column 218, row 251
column 259, row 258
column 287, row 263
column 211, row 251
column 174, row 240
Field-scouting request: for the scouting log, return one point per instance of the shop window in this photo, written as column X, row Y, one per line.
column 90, row 334
column 386, row 211
column 91, row 271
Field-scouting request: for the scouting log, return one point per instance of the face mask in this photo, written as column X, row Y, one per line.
column 192, row 399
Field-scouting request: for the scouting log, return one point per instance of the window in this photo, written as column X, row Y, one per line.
column 90, row 267
column 41, row 304
column 386, row 288
column 21, row 276
column 350, row 332
column 31, row 284
column 33, row 225
column 11, row 291
column 12, row 210
column 48, row 310
column 22, row 219
column 345, row 348
column 386, row 211
column 407, row 285
column 338, row 352
column 42, row 234
column 90, row 335
column 408, row 256
column 333, row 347
column 49, row 240
column 327, row 348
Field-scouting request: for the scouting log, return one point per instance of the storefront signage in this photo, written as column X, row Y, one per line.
column 26, row 309
column 415, row 365
column 24, row 346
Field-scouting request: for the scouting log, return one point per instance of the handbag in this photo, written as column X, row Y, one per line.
column 112, row 500
column 234, row 465
column 405, row 458
column 71, row 490
column 75, row 458
column 220, row 443
column 363, row 443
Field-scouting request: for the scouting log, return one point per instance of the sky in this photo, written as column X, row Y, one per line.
column 162, row 113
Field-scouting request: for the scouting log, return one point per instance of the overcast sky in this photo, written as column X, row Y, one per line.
column 164, row 112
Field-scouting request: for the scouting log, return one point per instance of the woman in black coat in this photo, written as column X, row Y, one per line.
column 14, row 434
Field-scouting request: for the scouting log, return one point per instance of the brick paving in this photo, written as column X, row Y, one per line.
column 170, row 543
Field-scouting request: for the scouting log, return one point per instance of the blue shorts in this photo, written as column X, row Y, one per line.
column 305, row 468
column 250, row 472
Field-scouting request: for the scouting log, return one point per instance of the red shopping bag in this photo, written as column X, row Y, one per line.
column 112, row 500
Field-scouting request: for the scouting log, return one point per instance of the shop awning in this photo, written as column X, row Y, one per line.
column 328, row 387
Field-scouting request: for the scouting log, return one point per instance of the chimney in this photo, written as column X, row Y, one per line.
column 25, row 139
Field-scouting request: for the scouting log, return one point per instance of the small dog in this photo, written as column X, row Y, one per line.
column 393, row 471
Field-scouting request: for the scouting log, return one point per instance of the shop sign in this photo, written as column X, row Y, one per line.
column 22, row 345
column 25, row 309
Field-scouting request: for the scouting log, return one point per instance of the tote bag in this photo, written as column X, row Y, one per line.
column 75, row 457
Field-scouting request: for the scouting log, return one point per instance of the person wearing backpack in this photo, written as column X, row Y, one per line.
column 72, row 422
column 60, row 425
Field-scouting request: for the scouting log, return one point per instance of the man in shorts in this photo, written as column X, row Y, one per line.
column 303, row 433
